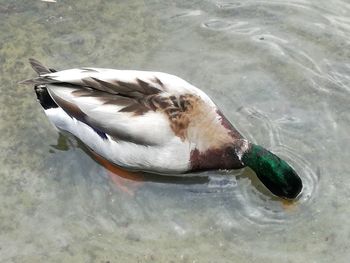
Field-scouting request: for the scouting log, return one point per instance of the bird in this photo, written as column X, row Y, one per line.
column 153, row 122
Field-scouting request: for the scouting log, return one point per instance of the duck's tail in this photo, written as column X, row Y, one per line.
column 38, row 68
column 40, row 89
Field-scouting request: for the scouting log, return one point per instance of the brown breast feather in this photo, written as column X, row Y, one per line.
column 216, row 140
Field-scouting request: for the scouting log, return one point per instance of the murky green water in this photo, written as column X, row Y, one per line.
column 279, row 70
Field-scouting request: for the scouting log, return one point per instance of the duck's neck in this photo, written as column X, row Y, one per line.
column 228, row 157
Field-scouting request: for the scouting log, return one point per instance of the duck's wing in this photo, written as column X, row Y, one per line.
column 142, row 107
column 130, row 83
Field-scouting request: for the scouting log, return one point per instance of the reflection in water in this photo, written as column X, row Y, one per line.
column 279, row 71
column 257, row 205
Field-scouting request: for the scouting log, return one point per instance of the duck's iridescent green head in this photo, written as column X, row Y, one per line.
column 273, row 172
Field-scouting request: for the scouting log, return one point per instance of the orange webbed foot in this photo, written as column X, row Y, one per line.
column 126, row 181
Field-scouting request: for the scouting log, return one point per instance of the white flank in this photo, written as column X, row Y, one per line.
column 171, row 156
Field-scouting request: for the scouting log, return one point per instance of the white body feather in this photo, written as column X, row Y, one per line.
column 170, row 157
column 166, row 154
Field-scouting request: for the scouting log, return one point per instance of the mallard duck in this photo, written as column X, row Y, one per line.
column 154, row 122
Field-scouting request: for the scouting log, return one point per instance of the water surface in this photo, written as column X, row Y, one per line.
column 279, row 70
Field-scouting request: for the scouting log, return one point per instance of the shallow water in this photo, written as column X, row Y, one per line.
column 279, row 70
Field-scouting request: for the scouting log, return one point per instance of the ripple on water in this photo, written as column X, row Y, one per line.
column 217, row 24
column 256, row 205
column 264, row 122
column 228, row 5
column 187, row 13
column 259, row 207
column 238, row 27
column 338, row 74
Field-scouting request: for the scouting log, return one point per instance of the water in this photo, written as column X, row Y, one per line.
column 279, row 70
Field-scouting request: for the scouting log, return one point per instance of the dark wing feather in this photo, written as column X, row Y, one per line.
column 135, row 92
column 99, row 98
column 137, row 89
